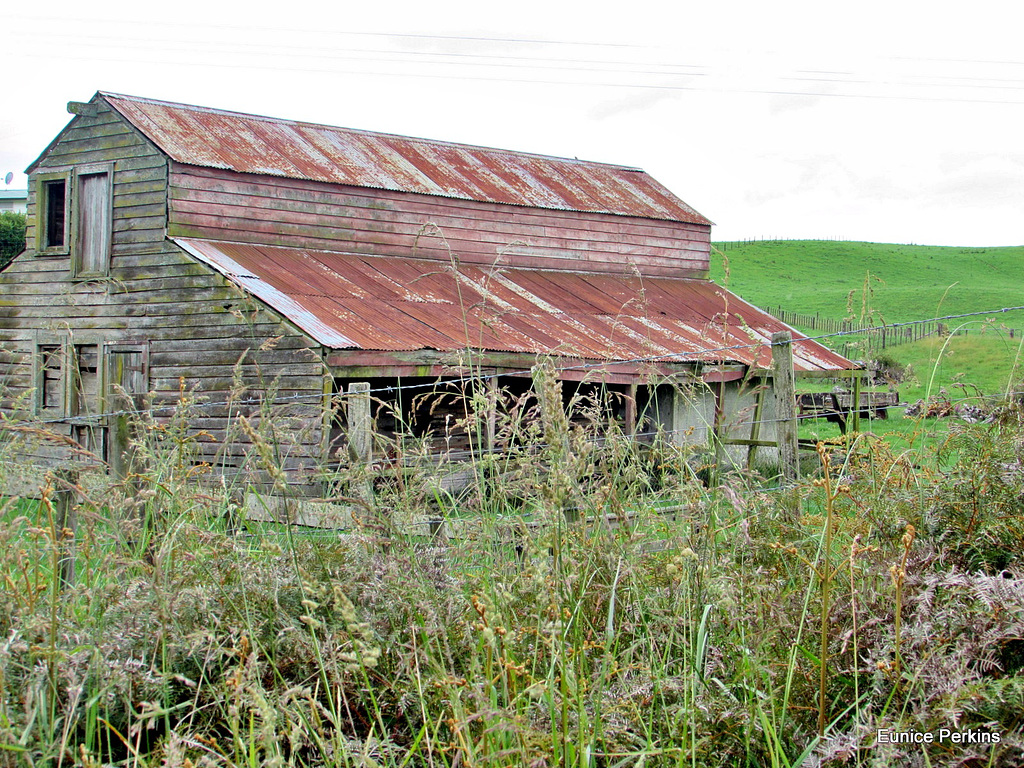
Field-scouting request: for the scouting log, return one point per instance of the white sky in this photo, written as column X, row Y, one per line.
column 885, row 121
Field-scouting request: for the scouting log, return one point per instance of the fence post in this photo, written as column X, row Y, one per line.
column 855, row 402
column 630, row 409
column 126, row 384
column 360, row 434
column 65, row 524
column 783, row 383
column 360, row 425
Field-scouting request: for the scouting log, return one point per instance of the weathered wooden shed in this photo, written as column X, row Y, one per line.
column 260, row 263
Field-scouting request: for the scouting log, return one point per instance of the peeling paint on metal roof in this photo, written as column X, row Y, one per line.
column 291, row 307
column 253, row 144
column 348, row 301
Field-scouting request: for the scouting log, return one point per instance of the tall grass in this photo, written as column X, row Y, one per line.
column 561, row 618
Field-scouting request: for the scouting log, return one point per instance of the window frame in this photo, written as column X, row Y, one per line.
column 77, row 406
column 42, row 183
column 107, row 349
column 49, row 339
column 72, row 178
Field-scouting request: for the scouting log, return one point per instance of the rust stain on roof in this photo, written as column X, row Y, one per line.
column 347, row 301
column 252, row 144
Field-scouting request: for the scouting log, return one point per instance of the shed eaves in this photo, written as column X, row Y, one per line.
column 262, row 145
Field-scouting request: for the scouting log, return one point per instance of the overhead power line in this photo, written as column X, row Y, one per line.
column 190, row 28
column 521, row 64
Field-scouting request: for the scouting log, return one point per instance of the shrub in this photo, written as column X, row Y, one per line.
column 977, row 515
column 12, row 236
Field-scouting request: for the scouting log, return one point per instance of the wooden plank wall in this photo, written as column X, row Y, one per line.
column 222, row 205
column 195, row 324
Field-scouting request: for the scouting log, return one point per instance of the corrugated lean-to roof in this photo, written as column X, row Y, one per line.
column 347, row 301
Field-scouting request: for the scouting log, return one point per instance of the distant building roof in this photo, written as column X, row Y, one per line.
column 15, row 200
column 347, row 301
column 252, row 144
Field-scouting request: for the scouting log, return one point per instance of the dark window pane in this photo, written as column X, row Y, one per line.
column 56, row 229
column 50, row 376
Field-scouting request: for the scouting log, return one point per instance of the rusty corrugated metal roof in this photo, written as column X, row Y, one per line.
column 252, row 144
column 347, row 301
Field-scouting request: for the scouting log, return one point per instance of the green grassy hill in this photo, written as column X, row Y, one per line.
column 904, row 282
column 892, row 284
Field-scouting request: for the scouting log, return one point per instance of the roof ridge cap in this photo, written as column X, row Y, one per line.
column 363, row 131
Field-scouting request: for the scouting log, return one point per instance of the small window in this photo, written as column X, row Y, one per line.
column 53, row 213
column 56, row 198
column 85, row 388
column 50, row 379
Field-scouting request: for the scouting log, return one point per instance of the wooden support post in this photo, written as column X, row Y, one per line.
column 65, row 524
column 548, row 390
column 360, row 422
column 717, row 424
column 855, row 401
column 785, row 404
column 679, row 405
column 360, row 438
column 755, row 427
column 630, row 414
column 839, row 412
column 492, row 414
column 126, row 389
column 327, row 416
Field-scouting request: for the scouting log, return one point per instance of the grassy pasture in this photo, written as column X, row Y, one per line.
column 898, row 283
column 879, row 282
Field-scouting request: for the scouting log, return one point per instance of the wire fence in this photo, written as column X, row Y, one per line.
column 877, row 336
column 724, row 245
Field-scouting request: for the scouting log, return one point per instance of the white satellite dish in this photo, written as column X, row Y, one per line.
column 8, row 178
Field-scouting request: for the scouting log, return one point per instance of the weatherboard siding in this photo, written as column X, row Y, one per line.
column 222, row 205
column 219, row 346
column 201, row 334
